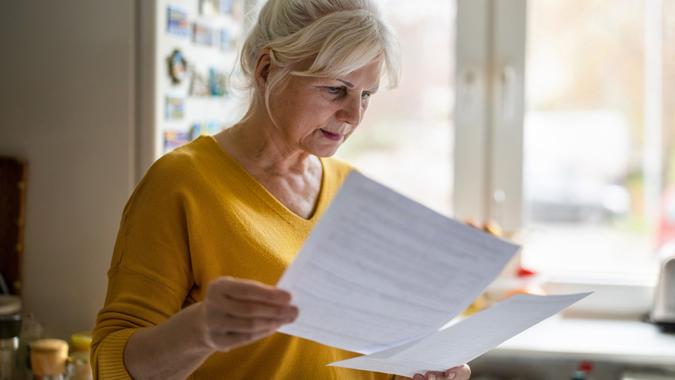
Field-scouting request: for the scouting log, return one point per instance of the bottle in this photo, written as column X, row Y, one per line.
column 80, row 368
column 10, row 329
column 583, row 371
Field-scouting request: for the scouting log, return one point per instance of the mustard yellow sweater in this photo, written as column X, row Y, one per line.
column 196, row 215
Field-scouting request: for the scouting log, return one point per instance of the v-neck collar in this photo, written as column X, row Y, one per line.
column 266, row 196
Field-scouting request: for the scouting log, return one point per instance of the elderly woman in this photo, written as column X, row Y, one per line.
column 214, row 224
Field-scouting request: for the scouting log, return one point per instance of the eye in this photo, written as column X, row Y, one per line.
column 338, row 91
column 366, row 94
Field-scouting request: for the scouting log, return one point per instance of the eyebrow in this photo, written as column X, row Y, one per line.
column 351, row 85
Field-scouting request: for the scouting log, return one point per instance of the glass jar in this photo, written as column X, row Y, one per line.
column 10, row 329
column 48, row 359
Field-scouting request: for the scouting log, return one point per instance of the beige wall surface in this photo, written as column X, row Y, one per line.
column 67, row 107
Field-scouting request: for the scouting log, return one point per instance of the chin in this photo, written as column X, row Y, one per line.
column 324, row 151
column 325, row 154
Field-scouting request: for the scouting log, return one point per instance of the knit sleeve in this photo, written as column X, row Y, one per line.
column 150, row 274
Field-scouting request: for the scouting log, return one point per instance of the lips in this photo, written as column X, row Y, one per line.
column 331, row 135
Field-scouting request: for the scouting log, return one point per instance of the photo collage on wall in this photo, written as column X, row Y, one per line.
column 198, row 67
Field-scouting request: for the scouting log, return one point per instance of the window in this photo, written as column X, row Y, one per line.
column 562, row 129
column 599, row 136
column 564, row 113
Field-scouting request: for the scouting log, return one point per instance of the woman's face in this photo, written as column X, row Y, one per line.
column 317, row 115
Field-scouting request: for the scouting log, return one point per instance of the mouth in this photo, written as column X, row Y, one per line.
column 331, row 135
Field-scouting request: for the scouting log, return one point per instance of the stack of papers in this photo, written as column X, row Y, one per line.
column 383, row 275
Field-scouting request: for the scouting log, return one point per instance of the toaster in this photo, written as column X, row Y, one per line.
column 663, row 310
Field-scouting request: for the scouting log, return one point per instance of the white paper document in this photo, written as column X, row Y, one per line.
column 466, row 340
column 382, row 274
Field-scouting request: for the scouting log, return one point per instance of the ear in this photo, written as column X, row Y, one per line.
column 262, row 69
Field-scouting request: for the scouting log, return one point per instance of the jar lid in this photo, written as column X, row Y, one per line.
column 9, row 304
column 49, row 345
column 81, row 341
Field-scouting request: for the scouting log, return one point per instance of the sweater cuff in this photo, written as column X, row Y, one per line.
column 109, row 361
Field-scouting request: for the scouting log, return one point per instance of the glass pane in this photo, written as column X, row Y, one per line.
column 598, row 163
column 405, row 138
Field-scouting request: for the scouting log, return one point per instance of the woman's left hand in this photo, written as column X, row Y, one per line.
column 462, row 372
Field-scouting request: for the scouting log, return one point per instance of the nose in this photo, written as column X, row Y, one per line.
column 351, row 111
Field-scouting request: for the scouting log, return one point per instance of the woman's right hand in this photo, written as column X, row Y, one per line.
column 236, row 312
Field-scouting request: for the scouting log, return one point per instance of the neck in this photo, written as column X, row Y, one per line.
column 260, row 146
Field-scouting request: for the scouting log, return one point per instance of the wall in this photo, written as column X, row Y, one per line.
column 67, row 99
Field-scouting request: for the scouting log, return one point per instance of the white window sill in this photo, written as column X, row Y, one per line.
column 618, row 298
column 627, row 342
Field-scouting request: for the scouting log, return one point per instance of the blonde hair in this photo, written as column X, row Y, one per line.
column 338, row 36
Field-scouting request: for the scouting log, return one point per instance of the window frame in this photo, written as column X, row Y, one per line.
column 488, row 157
column 489, row 110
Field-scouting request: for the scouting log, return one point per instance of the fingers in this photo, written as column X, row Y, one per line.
column 224, row 332
column 243, row 309
column 490, row 227
column 434, row 375
column 248, row 299
column 248, row 290
column 462, row 372
column 429, row 375
column 238, row 312
column 228, row 341
column 248, row 326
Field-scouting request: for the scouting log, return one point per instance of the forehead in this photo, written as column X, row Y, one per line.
column 367, row 76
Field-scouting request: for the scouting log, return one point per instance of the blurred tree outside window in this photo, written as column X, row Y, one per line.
column 590, row 141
